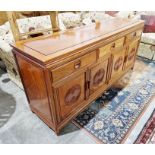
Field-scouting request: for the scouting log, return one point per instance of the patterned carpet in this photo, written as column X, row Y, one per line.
column 113, row 115
column 147, row 136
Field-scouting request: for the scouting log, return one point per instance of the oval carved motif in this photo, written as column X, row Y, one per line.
column 118, row 63
column 98, row 78
column 73, row 94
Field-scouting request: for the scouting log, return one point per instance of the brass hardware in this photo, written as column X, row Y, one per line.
column 77, row 64
column 134, row 34
column 113, row 45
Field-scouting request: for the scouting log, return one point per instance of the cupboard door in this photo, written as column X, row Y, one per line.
column 98, row 75
column 131, row 54
column 71, row 94
column 118, row 62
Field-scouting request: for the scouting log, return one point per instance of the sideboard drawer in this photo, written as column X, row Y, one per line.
column 133, row 35
column 113, row 45
column 73, row 66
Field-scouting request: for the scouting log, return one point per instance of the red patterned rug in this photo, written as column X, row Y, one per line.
column 147, row 136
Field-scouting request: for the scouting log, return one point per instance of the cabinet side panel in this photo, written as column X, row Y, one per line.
column 35, row 87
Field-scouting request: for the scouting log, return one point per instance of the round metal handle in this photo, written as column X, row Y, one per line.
column 113, row 45
column 77, row 64
column 134, row 34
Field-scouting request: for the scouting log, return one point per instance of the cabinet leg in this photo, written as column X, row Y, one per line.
column 32, row 111
column 57, row 131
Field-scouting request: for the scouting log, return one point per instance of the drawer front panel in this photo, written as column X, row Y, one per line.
column 71, row 94
column 113, row 45
column 73, row 66
column 133, row 36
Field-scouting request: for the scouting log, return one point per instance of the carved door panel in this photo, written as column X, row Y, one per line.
column 117, row 63
column 131, row 54
column 98, row 75
column 70, row 94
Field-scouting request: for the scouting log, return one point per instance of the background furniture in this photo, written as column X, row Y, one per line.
column 147, row 46
column 13, row 16
column 15, row 32
column 61, row 78
column 3, row 19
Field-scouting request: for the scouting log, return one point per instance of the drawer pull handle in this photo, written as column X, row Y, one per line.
column 134, row 34
column 113, row 45
column 77, row 64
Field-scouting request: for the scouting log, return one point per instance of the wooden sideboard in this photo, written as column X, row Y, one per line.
column 64, row 72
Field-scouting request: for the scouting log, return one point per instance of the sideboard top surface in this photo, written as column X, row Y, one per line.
column 48, row 47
